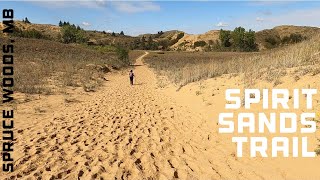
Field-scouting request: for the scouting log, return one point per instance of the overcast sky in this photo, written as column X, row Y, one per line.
column 137, row 17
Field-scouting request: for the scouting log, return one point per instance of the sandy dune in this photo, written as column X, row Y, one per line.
column 126, row 132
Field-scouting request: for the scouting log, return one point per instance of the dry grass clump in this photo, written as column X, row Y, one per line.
column 317, row 150
column 271, row 74
column 134, row 54
column 43, row 66
column 315, row 71
column 185, row 67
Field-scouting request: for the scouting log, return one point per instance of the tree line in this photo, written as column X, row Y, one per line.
column 26, row 20
column 155, row 42
column 238, row 40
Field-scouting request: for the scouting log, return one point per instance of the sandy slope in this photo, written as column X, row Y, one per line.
column 126, row 132
column 208, row 98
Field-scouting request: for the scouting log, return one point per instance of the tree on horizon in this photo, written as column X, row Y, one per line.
column 26, row 20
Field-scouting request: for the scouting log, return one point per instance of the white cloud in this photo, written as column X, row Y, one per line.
column 96, row 4
column 93, row 4
column 269, row 2
column 222, row 24
column 122, row 6
column 109, row 31
column 134, row 7
column 306, row 17
column 259, row 19
column 86, row 24
column 266, row 12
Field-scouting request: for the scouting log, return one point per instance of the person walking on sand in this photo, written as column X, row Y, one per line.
column 131, row 75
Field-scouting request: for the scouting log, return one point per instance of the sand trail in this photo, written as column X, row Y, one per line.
column 129, row 132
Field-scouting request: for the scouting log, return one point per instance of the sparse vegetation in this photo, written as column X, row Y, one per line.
column 183, row 68
column 272, row 42
column 175, row 40
column 171, row 40
column 32, row 33
column 180, row 35
column 134, row 54
column 317, row 151
column 45, row 67
column 276, row 41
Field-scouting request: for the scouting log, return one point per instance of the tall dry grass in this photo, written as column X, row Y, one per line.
column 134, row 54
column 185, row 67
column 47, row 67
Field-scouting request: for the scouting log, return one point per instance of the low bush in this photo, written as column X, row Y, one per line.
column 199, row 44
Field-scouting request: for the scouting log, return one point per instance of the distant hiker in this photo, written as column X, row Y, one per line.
column 131, row 75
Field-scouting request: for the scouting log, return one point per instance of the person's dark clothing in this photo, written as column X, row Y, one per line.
column 131, row 80
column 131, row 75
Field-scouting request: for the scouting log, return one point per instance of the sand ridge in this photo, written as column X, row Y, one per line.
column 128, row 132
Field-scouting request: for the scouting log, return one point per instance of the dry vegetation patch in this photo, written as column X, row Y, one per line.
column 133, row 55
column 185, row 67
column 47, row 67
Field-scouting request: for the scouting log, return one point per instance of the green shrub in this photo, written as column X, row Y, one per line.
column 103, row 49
column 317, row 151
column 151, row 45
column 70, row 34
column 123, row 56
column 26, row 20
column 180, row 35
column 173, row 41
column 271, row 42
column 293, row 38
column 249, row 42
column 199, row 44
column 216, row 46
column 239, row 40
column 29, row 34
column 225, row 37
column 160, row 33
column 164, row 43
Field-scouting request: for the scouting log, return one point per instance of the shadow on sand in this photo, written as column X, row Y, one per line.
column 138, row 84
column 134, row 65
